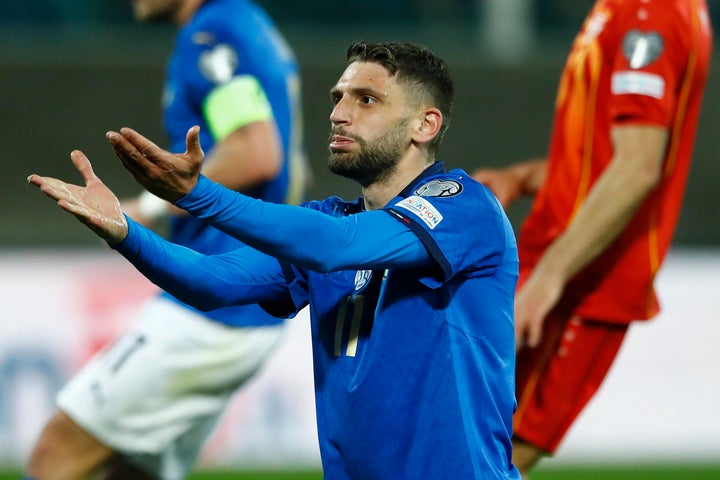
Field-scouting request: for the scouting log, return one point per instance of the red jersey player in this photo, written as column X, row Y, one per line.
column 607, row 203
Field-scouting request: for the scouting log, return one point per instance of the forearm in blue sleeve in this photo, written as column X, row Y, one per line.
column 306, row 237
column 239, row 277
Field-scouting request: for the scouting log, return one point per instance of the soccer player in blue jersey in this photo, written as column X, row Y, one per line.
column 410, row 286
column 232, row 73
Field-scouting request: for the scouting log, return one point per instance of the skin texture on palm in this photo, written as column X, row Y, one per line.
column 93, row 204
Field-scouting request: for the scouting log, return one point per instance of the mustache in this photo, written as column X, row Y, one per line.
column 341, row 131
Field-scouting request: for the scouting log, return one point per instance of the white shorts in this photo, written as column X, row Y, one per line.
column 156, row 393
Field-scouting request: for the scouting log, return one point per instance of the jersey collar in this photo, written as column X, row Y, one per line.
column 434, row 169
column 359, row 204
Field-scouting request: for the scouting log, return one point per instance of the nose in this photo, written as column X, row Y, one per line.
column 340, row 114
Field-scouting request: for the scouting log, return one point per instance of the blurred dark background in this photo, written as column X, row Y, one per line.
column 72, row 69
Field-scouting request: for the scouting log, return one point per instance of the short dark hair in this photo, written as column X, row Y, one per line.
column 417, row 67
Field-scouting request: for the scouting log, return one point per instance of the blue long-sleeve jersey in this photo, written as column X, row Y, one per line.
column 411, row 309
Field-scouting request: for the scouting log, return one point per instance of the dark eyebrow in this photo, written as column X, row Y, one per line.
column 359, row 91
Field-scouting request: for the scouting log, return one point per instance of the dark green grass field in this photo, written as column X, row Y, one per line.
column 675, row 472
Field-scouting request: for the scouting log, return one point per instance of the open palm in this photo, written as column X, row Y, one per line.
column 95, row 205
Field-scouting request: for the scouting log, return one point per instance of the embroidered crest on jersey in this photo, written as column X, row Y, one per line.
column 218, row 64
column 362, row 278
column 641, row 49
column 440, row 188
column 422, row 209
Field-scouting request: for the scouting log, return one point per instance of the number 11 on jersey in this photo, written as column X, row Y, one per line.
column 352, row 307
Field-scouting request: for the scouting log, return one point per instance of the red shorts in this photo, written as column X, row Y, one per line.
column 556, row 379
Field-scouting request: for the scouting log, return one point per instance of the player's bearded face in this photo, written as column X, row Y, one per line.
column 375, row 159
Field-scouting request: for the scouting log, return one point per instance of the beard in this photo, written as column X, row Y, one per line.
column 377, row 158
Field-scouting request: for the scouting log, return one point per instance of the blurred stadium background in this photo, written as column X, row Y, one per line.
column 72, row 69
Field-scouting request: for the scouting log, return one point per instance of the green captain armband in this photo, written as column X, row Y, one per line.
column 234, row 104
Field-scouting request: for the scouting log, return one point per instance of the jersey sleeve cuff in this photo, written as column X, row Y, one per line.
column 200, row 191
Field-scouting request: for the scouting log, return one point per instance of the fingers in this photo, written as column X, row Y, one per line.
column 82, row 163
column 132, row 148
column 52, row 187
column 94, row 204
column 34, row 179
column 534, row 334
column 528, row 332
column 122, row 148
column 58, row 189
column 192, row 141
column 81, row 211
column 130, row 156
column 145, row 146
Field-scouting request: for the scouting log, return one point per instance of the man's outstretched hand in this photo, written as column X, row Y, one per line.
column 94, row 204
column 167, row 175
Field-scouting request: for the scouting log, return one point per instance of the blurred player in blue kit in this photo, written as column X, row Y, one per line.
column 144, row 406
column 410, row 286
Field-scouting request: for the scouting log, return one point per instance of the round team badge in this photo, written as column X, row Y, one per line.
column 641, row 49
column 440, row 188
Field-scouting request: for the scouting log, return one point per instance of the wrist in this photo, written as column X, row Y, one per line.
column 120, row 233
column 198, row 191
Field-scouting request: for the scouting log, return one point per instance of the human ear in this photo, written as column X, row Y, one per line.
column 428, row 127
